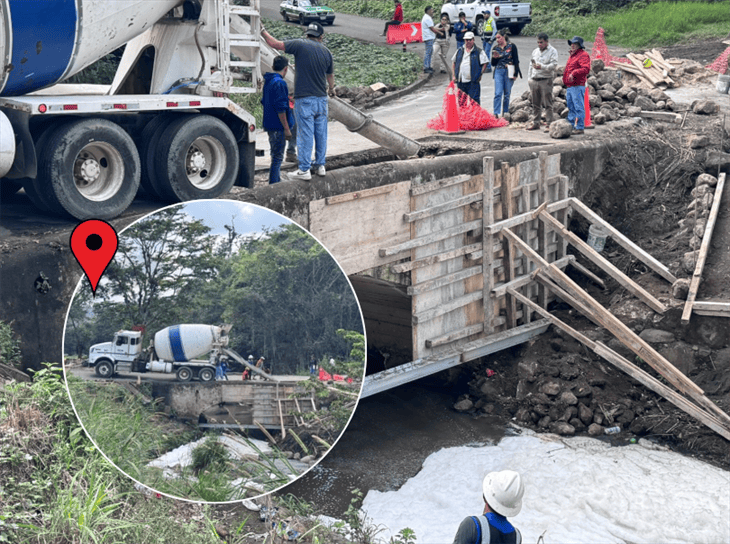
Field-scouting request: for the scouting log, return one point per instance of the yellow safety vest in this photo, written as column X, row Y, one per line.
column 488, row 24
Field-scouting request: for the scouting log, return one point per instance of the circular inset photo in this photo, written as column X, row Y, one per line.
column 221, row 355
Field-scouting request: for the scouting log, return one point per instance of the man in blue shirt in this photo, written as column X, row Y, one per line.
column 278, row 119
column 461, row 27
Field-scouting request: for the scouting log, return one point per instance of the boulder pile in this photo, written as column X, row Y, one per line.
column 363, row 97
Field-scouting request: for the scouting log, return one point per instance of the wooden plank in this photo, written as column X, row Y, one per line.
column 562, row 215
column 525, row 217
column 694, row 286
column 379, row 223
column 603, row 263
column 441, row 208
column 447, row 307
column 501, row 340
column 442, row 281
column 438, row 184
column 525, row 205
column 488, row 242
column 623, row 241
column 717, row 309
column 542, row 200
column 431, row 238
column 587, row 273
column 661, row 116
column 439, row 257
column 365, row 193
column 454, row 336
column 500, row 290
column 508, row 248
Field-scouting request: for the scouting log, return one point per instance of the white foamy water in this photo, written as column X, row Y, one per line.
column 577, row 490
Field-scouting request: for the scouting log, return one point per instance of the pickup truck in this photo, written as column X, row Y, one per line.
column 513, row 15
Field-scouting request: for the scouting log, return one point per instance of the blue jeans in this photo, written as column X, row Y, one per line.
column 429, row 53
column 277, row 143
column 502, row 89
column 487, row 46
column 575, row 99
column 311, row 115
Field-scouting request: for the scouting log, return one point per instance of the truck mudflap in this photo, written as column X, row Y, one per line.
column 246, row 164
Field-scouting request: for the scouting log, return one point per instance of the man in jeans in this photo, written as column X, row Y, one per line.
column 574, row 79
column 313, row 80
column 278, row 120
column 428, row 35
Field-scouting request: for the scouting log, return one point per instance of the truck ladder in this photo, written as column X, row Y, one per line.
column 225, row 39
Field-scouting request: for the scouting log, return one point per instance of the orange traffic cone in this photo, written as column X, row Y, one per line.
column 588, row 111
column 452, row 113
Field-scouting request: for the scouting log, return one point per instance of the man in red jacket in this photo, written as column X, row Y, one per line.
column 574, row 79
column 397, row 17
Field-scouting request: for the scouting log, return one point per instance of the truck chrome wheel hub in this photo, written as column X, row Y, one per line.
column 98, row 171
column 205, row 162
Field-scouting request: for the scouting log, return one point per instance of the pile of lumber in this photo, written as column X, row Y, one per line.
column 656, row 75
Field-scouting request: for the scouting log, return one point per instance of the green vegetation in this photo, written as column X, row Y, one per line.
column 383, row 9
column 9, row 345
column 639, row 24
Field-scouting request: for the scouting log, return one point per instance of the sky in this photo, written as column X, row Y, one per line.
column 577, row 490
column 248, row 218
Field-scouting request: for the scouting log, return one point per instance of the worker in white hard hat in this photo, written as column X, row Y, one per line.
column 502, row 493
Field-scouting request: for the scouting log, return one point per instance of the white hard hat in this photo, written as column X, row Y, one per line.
column 250, row 356
column 503, row 492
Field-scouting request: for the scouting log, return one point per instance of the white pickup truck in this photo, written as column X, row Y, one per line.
column 513, row 15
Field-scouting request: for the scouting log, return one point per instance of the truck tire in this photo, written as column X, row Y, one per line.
column 301, row 19
column 479, row 26
column 147, row 146
column 197, row 157
column 91, row 167
column 104, row 369
column 184, row 374
column 206, row 375
column 283, row 14
column 35, row 188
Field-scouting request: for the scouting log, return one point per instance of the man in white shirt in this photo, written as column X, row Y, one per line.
column 428, row 35
column 540, row 77
column 469, row 65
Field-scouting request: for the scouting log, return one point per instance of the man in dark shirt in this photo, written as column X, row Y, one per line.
column 314, row 74
column 502, row 493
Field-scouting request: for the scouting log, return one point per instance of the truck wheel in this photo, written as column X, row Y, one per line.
column 104, row 369
column 479, row 21
column 283, row 14
column 36, row 188
column 92, row 168
column 184, row 374
column 146, row 146
column 197, row 157
column 301, row 19
column 206, row 374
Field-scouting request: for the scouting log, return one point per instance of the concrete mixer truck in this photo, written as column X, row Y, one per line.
column 166, row 121
column 175, row 349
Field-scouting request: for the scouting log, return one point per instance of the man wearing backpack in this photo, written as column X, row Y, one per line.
column 502, row 493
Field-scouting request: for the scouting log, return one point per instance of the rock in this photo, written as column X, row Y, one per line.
column 550, row 388
column 378, row 87
column 557, row 82
column 507, row 116
column 626, row 418
column 489, row 391
column 527, row 370
column 700, row 190
column 561, row 129
column 695, row 242
column 706, row 179
column 605, row 95
column 518, row 105
column 520, row 116
column 598, row 418
column 631, row 96
column 594, row 429
column 597, row 66
column 368, row 90
column 544, row 422
column 597, row 381
column 541, row 409
column 568, row 372
column 585, row 414
column 646, row 104
column 680, row 288
column 594, row 101
column 599, row 119
column 681, row 355
column 577, row 424
column 705, row 107
column 610, row 88
column 569, row 413
column 582, row 391
column 633, row 111
column 526, row 96
column 564, row 113
column 656, row 336
column 341, row 91
column 705, row 202
column 592, row 81
column 463, row 405
column 638, row 426
column 522, row 390
column 556, row 90
column 523, row 415
column 562, row 428
column 661, row 105
column 657, row 94
column 566, row 397
column 699, row 228
column 308, row 459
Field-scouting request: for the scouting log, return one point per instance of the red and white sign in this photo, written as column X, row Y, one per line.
column 409, row 32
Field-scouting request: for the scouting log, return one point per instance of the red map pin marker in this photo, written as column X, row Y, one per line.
column 94, row 243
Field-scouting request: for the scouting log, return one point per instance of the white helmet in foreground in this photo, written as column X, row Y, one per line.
column 503, row 492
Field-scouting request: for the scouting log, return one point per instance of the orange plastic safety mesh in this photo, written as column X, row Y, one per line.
column 471, row 115
column 720, row 64
column 600, row 51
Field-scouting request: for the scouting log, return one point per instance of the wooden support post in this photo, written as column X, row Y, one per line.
column 563, row 214
column 509, row 250
column 600, row 261
column 632, row 370
column 598, row 314
column 488, row 243
column 542, row 200
column 704, row 248
column 623, row 241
